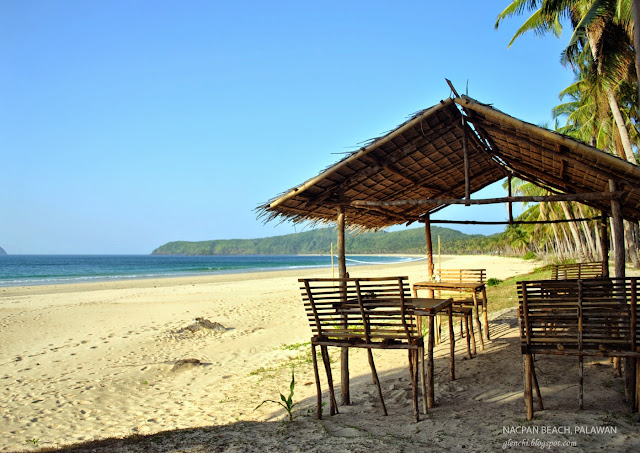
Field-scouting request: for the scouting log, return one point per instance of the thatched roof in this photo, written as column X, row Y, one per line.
column 423, row 159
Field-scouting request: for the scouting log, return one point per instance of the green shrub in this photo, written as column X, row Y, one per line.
column 529, row 256
column 494, row 282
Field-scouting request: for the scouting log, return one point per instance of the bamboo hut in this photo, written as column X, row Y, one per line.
column 444, row 154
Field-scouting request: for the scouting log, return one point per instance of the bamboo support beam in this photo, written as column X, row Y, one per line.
column 587, row 196
column 467, row 168
column 515, row 222
column 429, row 245
column 618, row 233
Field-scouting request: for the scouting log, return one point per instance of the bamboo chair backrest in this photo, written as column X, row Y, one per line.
column 459, row 276
column 360, row 309
column 462, row 275
column 579, row 317
column 576, row 271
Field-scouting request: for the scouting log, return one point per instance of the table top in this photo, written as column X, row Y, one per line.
column 426, row 307
column 450, row 285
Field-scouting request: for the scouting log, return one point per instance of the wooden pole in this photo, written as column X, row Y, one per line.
column 618, row 234
column 342, row 273
column 467, row 171
column 617, row 228
column 427, row 233
column 604, row 244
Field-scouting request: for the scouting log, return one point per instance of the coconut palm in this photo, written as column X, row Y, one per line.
column 596, row 32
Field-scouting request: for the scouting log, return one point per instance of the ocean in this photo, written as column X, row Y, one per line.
column 22, row 270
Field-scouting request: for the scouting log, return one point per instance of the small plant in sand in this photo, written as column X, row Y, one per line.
column 286, row 402
column 34, row 442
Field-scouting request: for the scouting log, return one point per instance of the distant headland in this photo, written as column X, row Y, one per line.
column 2, row 252
column 319, row 241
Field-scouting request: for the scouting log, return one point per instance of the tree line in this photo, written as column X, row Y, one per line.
column 410, row 241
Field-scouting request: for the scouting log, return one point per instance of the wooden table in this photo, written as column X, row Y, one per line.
column 471, row 287
column 431, row 308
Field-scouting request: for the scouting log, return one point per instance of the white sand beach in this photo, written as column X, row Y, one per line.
column 95, row 361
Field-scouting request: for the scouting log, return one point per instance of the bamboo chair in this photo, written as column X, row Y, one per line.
column 578, row 271
column 594, row 317
column 370, row 313
column 463, row 299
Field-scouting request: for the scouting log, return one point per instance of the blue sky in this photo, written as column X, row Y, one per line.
column 128, row 124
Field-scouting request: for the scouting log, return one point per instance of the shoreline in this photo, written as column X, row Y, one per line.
column 72, row 280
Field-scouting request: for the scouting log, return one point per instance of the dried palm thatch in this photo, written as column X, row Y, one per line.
column 440, row 156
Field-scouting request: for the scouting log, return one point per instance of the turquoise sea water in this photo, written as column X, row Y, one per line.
column 20, row 270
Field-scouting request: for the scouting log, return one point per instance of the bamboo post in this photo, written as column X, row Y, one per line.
column 342, row 273
column 528, row 393
column 619, row 272
column 467, row 171
column 452, row 346
column 431, row 398
column 634, row 300
column 618, row 234
column 580, row 357
column 427, row 232
column 604, row 244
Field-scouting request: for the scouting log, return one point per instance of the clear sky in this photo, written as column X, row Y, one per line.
column 128, row 124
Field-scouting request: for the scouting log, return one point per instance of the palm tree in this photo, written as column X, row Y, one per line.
column 601, row 37
column 602, row 31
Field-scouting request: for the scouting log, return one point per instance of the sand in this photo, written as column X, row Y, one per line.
column 85, row 362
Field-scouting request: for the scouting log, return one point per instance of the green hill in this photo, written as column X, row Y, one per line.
column 319, row 242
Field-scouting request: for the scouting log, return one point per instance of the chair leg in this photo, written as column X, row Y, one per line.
column 528, row 394
column 581, row 388
column 472, row 334
column 466, row 322
column 638, row 385
column 317, row 376
column 333, row 406
column 413, row 373
column 431, row 400
column 376, row 380
column 475, row 305
column 422, row 379
column 536, row 386
column 452, row 347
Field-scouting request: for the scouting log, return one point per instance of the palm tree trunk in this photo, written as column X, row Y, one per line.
column 631, row 242
column 591, row 245
column 615, row 108
column 556, row 236
column 635, row 10
column 574, row 231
